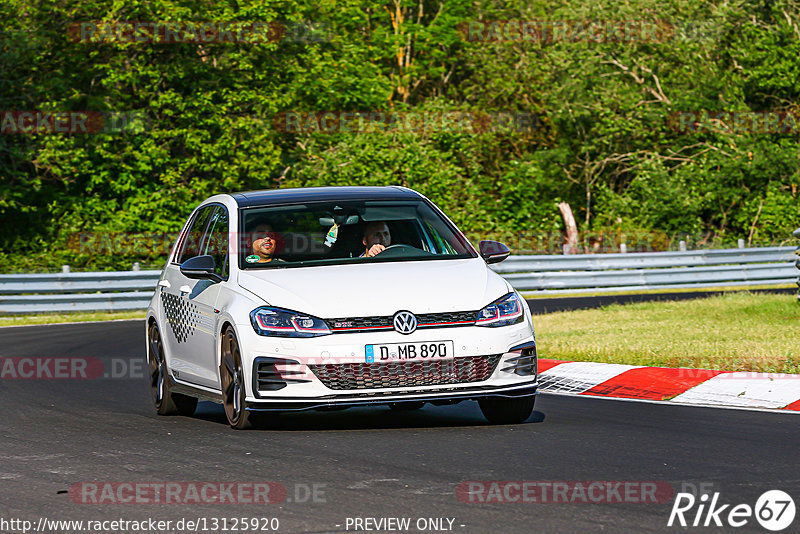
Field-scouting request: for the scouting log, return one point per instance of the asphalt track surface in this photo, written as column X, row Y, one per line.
column 370, row 462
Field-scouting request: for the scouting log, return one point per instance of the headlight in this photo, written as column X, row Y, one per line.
column 286, row 323
column 502, row 312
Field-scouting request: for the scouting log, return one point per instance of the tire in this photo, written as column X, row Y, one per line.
column 407, row 406
column 165, row 401
column 507, row 411
column 231, row 379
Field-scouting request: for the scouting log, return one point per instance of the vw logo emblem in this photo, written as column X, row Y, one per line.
column 405, row 322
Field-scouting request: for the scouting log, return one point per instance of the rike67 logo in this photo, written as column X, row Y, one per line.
column 774, row 510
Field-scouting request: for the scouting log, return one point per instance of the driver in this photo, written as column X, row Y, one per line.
column 376, row 238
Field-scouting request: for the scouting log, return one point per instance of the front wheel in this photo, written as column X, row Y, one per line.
column 507, row 411
column 231, row 377
column 165, row 401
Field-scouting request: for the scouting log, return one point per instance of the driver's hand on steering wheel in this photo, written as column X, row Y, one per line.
column 374, row 250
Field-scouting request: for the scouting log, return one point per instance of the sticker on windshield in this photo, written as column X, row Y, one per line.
column 252, row 258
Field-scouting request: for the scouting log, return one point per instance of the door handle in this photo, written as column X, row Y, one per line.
column 164, row 283
column 185, row 289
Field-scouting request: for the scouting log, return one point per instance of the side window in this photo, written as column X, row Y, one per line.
column 215, row 243
column 191, row 243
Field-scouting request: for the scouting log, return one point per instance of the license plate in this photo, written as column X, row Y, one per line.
column 420, row 351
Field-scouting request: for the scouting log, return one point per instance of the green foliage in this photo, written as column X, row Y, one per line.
column 604, row 139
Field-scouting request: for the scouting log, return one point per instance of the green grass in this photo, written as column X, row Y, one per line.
column 53, row 318
column 600, row 292
column 735, row 332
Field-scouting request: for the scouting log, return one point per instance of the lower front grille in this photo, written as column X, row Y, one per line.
column 267, row 376
column 406, row 374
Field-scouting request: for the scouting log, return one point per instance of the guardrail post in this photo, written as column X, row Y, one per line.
column 682, row 246
column 741, row 243
column 572, row 229
column 623, row 248
column 135, row 266
column 65, row 269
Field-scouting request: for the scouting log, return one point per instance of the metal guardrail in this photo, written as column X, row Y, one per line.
column 71, row 292
column 78, row 282
column 578, row 273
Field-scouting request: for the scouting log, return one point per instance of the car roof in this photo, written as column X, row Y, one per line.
column 312, row 194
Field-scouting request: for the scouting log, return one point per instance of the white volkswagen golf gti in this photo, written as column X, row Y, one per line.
column 332, row 297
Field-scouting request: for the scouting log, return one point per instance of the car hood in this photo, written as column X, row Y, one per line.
column 378, row 288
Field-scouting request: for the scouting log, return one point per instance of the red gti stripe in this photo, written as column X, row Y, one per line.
column 440, row 324
column 361, row 327
column 277, row 328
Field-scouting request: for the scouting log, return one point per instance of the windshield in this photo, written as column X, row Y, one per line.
column 325, row 233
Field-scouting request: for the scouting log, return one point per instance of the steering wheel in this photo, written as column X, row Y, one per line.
column 400, row 250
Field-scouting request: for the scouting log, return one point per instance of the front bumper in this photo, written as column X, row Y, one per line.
column 441, row 396
column 295, row 361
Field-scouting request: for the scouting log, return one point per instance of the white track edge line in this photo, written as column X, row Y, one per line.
column 69, row 322
column 668, row 403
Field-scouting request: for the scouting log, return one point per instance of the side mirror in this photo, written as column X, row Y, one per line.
column 200, row 268
column 493, row 251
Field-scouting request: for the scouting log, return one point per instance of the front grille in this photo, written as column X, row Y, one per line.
column 425, row 320
column 444, row 319
column 406, row 374
column 354, row 324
